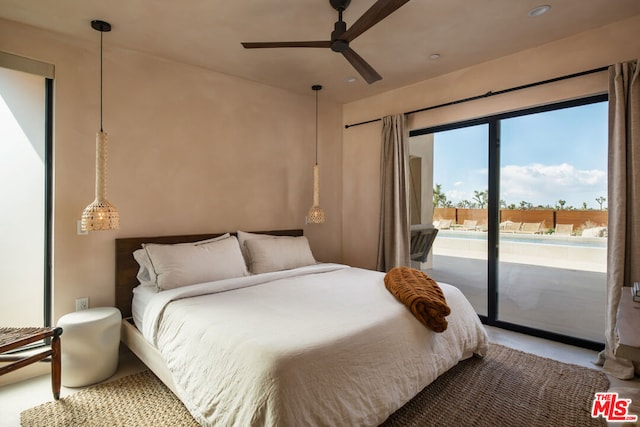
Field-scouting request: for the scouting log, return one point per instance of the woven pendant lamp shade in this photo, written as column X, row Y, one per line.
column 100, row 215
column 316, row 213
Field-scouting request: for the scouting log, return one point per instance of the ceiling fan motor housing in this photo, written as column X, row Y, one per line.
column 337, row 44
column 340, row 5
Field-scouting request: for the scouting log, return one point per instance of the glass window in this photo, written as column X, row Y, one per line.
column 23, row 191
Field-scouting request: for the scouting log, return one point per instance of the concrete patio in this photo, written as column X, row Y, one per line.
column 569, row 300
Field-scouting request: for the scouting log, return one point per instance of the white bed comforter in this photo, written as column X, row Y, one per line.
column 324, row 345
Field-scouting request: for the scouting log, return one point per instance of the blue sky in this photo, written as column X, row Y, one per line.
column 545, row 157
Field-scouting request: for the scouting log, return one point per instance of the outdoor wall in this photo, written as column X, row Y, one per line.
column 190, row 151
column 445, row 213
column 478, row 215
column 581, row 219
column 549, row 217
column 545, row 216
column 361, row 144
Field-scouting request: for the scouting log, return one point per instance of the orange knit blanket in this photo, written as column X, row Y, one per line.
column 421, row 294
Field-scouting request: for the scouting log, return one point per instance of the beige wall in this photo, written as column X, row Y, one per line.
column 422, row 146
column 194, row 151
column 190, row 151
column 361, row 144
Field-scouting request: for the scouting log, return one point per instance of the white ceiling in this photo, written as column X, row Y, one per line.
column 208, row 33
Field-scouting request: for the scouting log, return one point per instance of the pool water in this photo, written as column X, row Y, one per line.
column 540, row 239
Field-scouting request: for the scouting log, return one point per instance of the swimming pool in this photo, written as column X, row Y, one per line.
column 540, row 239
column 567, row 252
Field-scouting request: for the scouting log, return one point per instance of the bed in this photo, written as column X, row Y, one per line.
column 315, row 344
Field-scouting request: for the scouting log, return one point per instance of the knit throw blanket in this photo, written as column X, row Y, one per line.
column 421, row 294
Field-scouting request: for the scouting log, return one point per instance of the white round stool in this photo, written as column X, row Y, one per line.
column 90, row 345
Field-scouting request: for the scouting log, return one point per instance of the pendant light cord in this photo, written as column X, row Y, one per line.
column 101, row 81
column 316, row 128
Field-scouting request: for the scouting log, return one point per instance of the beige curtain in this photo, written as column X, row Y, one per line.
column 623, row 257
column 393, row 240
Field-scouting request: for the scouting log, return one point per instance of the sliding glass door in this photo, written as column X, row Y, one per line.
column 553, row 221
column 520, row 203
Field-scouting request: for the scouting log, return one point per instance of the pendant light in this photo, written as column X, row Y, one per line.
column 100, row 215
column 316, row 213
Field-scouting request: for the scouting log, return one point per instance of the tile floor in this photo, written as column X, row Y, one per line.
column 15, row 398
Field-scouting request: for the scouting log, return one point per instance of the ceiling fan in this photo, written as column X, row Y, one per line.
column 341, row 37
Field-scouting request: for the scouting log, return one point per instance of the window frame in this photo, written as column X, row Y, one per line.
column 493, row 210
column 48, row 203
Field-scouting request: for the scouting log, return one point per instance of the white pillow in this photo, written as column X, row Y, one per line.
column 181, row 265
column 146, row 273
column 213, row 239
column 243, row 236
column 278, row 253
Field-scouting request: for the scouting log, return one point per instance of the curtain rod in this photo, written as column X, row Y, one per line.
column 491, row 93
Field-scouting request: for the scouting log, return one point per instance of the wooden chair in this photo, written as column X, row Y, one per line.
column 422, row 237
column 14, row 338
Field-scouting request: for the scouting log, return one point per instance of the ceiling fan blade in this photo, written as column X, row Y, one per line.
column 376, row 13
column 260, row 45
column 361, row 66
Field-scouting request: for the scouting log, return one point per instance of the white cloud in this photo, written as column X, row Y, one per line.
column 539, row 184
column 546, row 184
column 456, row 195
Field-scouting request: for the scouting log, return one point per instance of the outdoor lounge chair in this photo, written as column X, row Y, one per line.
column 564, row 229
column 444, row 224
column 422, row 237
column 511, row 227
column 530, row 228
column 469, row 225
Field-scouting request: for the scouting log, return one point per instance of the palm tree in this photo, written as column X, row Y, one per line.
column 601, row 200
column 525, row 205
column 439, row 198
column 561, row 204
column 481, row 197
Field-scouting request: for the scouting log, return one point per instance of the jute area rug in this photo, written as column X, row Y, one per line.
column 506, row 388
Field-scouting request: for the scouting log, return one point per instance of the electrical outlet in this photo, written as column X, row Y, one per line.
column 82, row 304
column 79, row 229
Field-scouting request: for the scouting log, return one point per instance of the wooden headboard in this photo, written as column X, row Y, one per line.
column 127, row 267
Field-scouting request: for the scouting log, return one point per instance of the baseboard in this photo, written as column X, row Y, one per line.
column 22, row 374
